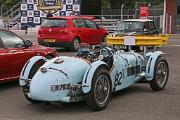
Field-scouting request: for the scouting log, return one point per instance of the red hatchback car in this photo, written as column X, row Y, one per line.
column 15, row 52
column 69, row 32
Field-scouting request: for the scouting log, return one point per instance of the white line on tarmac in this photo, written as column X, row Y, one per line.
column 174, row 45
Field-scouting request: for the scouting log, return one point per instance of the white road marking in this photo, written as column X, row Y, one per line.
column 174, row 45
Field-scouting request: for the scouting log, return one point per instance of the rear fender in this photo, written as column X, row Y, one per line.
column 87, row 79
column 153, row 56
column 27, row 67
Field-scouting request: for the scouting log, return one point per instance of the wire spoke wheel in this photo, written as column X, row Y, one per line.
column 161, row 74
column 101, row 88
column 101, row 91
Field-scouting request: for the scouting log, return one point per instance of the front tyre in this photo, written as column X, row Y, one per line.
column 161, row 74
column 101, row 88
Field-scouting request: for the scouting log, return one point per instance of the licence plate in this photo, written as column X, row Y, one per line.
column 55, row 88
column 59, row 87
column 49, row 40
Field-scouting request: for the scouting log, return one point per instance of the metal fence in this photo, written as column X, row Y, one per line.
column 111, row 15
column 10, row 16
column 110, row 21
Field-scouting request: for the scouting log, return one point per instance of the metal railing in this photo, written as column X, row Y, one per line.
column 12, row 10
column 10, row 17
column 110, row 21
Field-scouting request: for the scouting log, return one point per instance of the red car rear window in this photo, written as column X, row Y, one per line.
column 62, row 23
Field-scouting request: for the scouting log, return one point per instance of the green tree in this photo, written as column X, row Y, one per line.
column 9, row 3
column 105, row 3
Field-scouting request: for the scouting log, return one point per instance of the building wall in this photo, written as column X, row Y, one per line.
column 177, row 17
column 170, row 11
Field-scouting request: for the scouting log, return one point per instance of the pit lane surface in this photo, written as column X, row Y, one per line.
column 137, row 102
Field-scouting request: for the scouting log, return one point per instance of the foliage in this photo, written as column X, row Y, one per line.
column 105, row 3
column 9, row 3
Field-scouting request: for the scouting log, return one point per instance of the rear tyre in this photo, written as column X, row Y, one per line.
column 101, row 88
column 75, row 45
column 161, row 74
column 25, row 88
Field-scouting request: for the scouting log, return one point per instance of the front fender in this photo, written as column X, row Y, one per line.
column 87, row 79
column 27, row 67
column 153, row 56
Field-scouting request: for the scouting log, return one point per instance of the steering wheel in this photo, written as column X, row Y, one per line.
column 104, row 54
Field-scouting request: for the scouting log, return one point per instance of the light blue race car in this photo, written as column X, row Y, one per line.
column 91, row 75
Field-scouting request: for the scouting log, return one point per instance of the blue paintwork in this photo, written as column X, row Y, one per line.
column 77, row 71
column 152, row 57
column 89, row 75
column 41, row 82
column 27, row 67
column 122, row 61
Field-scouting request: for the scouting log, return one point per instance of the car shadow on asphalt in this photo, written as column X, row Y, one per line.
column 137, row 88
column 82, row 107
column 53, row 108
column 9, row 85
column 63, row 50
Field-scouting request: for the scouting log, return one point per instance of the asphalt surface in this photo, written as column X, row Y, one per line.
column 137, row 102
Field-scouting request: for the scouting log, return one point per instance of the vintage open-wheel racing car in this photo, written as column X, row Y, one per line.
column 92, row 75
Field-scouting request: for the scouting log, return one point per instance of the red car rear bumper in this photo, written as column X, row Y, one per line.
column 57, row 43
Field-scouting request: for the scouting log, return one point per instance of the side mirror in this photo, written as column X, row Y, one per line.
column 28, row 43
